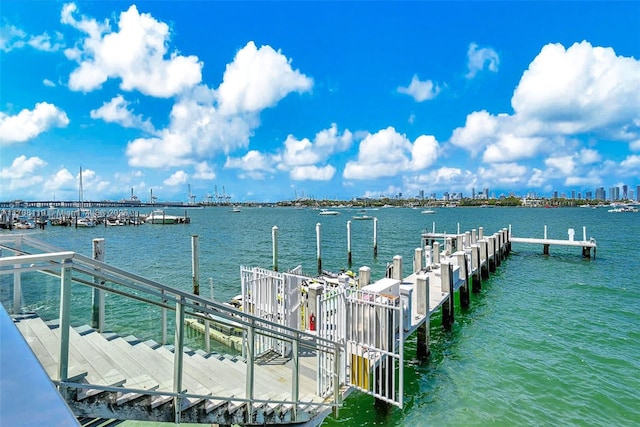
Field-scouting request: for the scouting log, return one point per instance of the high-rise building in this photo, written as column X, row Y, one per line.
column 555, row 195
column 601, row 194
column 486, row 193
column 573, row 194
column 588, row 195
column 625, row 192
column 473, row 193
column 421, row 194
column 614, row 193
column 638, row 193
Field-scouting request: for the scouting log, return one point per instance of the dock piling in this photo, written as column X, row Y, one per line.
column 318, row 248
column 446, row 277
column 417, row 260
column 274, row 240
column 97, row 303
column 461, row 259
column 195, row 264
column 375, row 237
column 476, row 279
column 349, row 243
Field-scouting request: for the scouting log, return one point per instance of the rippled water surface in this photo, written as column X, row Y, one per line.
column 549, row 341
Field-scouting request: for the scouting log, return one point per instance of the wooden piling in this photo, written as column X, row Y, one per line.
column 446, row 278
column 484, row 259
column 397, row 267
column 195, row 264
column 476, row 279
column 274, row 240
column 491, row 257
column 364, row 277
column 318, row 248
column 448, row 245
column 461, row 259
column 349, row 243
column 417, row 260
column 97, row 300
column 422, row 296
column 375, row 237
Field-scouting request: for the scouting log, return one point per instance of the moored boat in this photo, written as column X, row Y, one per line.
column 328, row 212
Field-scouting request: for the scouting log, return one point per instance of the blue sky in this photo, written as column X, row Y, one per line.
column 277, row 100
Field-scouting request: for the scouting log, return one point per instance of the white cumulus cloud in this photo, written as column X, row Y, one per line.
column 177, row 178
column 312, row 172
column 420, row 90
column 23, row 173
column 205, row 121
column 564, row 93
column 258, row 79
column 580, row 89
column 387, row 153
column 480, row 58
column 117, row 111
column 137, row 54
column 28, row 124
column 12, row 37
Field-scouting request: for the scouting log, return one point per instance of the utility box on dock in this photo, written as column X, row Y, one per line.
column 406, row 302
column 385, row 286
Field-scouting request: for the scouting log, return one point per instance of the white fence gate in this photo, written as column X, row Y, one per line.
column 272, row 296
column 369, row 325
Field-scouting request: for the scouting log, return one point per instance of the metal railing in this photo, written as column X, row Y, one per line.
column 71, row 267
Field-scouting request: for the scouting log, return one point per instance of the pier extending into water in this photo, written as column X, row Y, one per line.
column 307, row 341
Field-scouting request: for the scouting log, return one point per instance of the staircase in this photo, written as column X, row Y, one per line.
column 114, row 377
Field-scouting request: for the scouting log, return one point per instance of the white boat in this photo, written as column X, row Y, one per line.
column 161, row 217
column 623, row 209
column 85, row 222
column 428, row 211
column 235, row 209
column 328, row 212
column 24, row 225
column 362, row 217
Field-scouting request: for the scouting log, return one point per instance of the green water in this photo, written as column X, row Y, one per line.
column 549, row 341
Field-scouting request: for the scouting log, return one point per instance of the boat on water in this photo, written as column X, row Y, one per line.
column 328, row 212
column 159, row 216
column 362, row 217
column 235, row 209
column 428, row 211
column 85, row 222
column 623, row 209
column 24, row 225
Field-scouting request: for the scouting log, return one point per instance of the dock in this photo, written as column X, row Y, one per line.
column 305, row 342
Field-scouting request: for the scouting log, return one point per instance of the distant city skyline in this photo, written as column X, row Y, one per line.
column 326, row 100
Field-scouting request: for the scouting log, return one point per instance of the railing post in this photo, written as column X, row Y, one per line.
column 163, row 316
column 97, row 306
column 295, row 387
column 178, row 354
column 336, row 378
column 251, row 337
column 17, row 280
column 65, row 311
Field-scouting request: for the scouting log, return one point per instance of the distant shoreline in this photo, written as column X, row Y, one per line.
column 311, row 203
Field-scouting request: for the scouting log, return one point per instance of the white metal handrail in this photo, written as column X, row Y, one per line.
column 74, row 267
